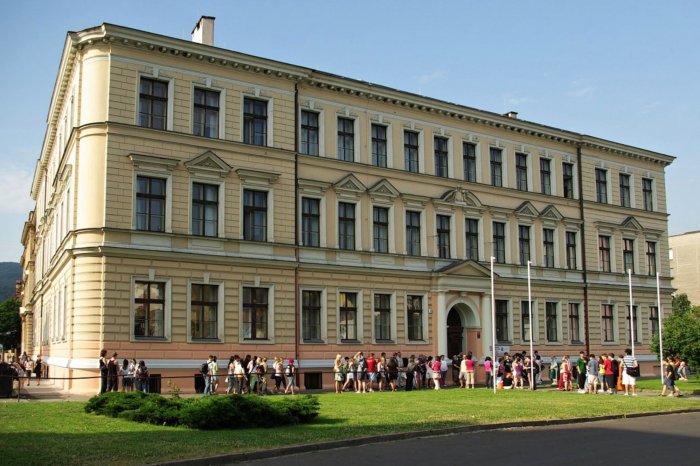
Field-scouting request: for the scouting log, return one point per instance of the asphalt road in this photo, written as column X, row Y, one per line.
column 669, row 440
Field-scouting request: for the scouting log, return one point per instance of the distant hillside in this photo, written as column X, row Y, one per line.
column 10, row 272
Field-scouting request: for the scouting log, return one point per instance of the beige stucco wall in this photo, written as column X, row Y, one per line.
column 685, row 264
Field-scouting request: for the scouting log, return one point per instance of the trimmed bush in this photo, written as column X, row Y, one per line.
column 208, row 413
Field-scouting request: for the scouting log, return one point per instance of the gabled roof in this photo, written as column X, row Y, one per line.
column 467, row 268
column 209, row 163
column 527, row 209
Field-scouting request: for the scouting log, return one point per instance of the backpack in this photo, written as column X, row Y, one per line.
column 204, row 369
column 289, row 370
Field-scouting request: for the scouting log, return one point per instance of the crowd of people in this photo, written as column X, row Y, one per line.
column 251, row 374
column 25, row 366
column 134, row 375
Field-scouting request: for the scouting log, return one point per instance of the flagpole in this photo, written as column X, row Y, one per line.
column 629, row 274
column 493, row 329
column 529, row 305
column 660, row 314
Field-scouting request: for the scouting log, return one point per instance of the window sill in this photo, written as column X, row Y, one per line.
column 154, row 339
column 576, row 342
column 313, row 341
column 205, row 340
column 350, row 341
column 384, row 342
column 416, row 342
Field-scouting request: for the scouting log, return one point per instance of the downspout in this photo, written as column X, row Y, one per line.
column 296, row 222
column 583, row 250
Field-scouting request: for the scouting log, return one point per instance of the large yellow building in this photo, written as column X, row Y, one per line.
column 192, row 200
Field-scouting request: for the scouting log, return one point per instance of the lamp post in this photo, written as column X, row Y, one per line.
column 659, row 315
column 529, row 306
column 493, row 329
column 629, row 274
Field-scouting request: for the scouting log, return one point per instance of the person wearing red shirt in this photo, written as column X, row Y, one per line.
column 609, row 374
column 371, row 371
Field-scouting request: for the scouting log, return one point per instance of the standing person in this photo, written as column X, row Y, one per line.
column 592, row 377
column 338, row 373
column 437, row 373
column 252, row 370
column 204, row 370
column 410, row 373
column 566, row 373
column 488, row 368
column 214, row 374
column 142, row 377
column 392, row 369
column 350, row 375
column 278, row 369
column 126, row 377
column 471, row 366
column 615, row 369
column 289, row 373
column 456, row 361
column 683, row 370
column 670, row 378
column 609, row 373
column 103, row 371
column 371, row 372
column 401, row 365
column 28, row 369
column 554, row 371
column 381, row 373
column 361, row 375
column 538, row 368
column 630, row 365
column 113, row 373
column 601, row 374
column 262, row 376
column 443, row 370
column 581, row 365
column 239, row 376
column 38, row 368
column 229, row 375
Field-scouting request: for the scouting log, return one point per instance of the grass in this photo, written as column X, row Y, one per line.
column 61, row 433
column 691, row 387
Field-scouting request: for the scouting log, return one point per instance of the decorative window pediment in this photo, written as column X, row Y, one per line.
column 257, row 177
column 208, row 164
column 461, row 197
column 416, row 202
column 350, row 186
column 551, row 213
column 312, row 186
column 631, row 223
column 526, row 209
column 153, row 163
column 383, row 191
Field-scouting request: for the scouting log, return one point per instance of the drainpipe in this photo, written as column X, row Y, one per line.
column 296, row 222
column 583, row 250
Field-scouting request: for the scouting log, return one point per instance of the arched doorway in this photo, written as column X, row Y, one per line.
column 455, row 333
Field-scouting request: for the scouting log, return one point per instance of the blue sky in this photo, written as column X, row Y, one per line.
column 628, row 71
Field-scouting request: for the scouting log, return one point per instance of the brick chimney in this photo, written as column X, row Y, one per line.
column 203, row 32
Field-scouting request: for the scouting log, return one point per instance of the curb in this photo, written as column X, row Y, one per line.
column 230, row 458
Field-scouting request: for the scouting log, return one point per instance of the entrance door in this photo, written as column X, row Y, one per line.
column 455, row 333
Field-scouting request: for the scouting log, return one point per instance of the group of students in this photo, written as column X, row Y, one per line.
column 250, row 375
column 134, row 375
column 26, row 366
column 603, row 374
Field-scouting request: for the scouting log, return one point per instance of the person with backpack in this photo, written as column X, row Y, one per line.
column 204, row 370
column 289, row 373
column 142, row 377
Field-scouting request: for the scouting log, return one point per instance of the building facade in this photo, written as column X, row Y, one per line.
column 685, row 264
column 192, row 200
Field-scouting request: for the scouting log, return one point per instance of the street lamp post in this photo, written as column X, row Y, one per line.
column 529, row 306
column 493, row 329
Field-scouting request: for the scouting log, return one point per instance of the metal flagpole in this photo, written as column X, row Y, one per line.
column 659, row 315
column 493, row 325
column 529, row 305
column 629, row 274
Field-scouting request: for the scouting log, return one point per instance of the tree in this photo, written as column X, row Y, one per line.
column 681, row 331
column 10, row 324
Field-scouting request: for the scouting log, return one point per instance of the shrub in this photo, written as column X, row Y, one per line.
column 209, row 412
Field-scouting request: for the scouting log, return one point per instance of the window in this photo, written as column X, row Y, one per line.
column 499, row 242
column 469, row 161
column 382, row 317
column 310, row 222
column 348, row 316
column 414, row 310
column 413, row 247
column 346, row 139
column 604, row 253
column 545, row 176
column 574, row 323
column 410, row 151
column 651, row 258
column 635, row 322
column 552, row 322
column 255, row 307
column 521, row 171
column 571, row 250
column 149, row 309
column 601, row 185
column 346, row 225
column 153, row 103
column 309, row 133
column 443, row 236
column 254, row 215
column 628, row 254
column 204, row 311
column 647, row 194
column 653, row 321
column 502, row 332
column 625, row 199
column 379, row 146
column 206, row 113
column 381, row 229
column 205, row 209
column 606, row 314
column 496, row 166
column 311, row 315
column 526, row 330
column 441, row 157
column 524, row 243
column 255, row 122
column 548, row 246
column 150, row 203
column 568, row 179
column 471, row 228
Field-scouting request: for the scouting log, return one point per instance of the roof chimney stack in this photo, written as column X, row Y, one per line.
column 511, row 114
column 203, row 32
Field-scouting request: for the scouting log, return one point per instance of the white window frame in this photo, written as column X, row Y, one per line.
column 615, row 324
column 171, row 97
column 321, row 129
column 321, row 218
column 221, row 230
column 220, row 305
column 424, row 318
column 167, row 310
column 534, row 328
column 389, row 142
column 560, row 330
column 270, row 116
column 423, row 231
column 222, row 107
column 477, row 155
column 510, row 319
column 355, row 136
column 392, row 316
column 154, row 173
column 391, row 229
column 247, row 185
column 270, row 313
column 324, row 314
column 359, row 318
column 358, row 222
column 580, row 329
column 453, row 235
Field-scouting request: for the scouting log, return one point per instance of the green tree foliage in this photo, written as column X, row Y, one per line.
column 681, row 331
column 10, row 324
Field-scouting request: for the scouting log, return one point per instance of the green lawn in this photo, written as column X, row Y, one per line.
column 61, row 433
column 692, row 386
